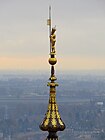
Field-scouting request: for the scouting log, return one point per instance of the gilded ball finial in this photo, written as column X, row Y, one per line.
column 52, row 61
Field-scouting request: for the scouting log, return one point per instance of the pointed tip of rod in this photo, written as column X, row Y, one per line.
column 49, row 11
column 49, row 6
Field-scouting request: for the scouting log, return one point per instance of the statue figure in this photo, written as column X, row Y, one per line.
column 53, row 39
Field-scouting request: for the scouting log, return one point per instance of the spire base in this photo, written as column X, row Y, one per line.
column 52, row 121
column 52, row 136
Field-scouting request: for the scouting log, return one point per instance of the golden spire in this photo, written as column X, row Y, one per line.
column 52, row 121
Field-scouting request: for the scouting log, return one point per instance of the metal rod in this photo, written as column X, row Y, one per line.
column 50, row 25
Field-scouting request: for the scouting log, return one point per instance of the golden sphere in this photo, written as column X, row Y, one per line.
column 52, row 61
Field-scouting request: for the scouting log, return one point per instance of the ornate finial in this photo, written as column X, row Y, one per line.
column 52, row 121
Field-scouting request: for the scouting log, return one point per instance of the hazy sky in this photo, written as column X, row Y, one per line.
column 24, row 40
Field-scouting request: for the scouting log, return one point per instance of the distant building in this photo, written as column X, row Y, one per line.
column 100, row 103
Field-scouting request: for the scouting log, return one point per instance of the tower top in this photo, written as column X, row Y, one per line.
column 52, row 121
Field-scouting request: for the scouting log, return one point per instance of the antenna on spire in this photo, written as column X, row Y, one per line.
column 49, row 24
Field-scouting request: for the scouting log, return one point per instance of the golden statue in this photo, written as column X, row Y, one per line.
column 53, row 39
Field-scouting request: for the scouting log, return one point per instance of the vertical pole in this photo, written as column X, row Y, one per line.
column 50, row 25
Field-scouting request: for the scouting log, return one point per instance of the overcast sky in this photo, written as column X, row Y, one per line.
column 80, row 33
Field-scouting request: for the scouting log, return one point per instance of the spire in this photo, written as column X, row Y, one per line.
column 52, row 121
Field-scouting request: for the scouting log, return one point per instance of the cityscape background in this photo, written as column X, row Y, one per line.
column 24, row 70
column 24, row 99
